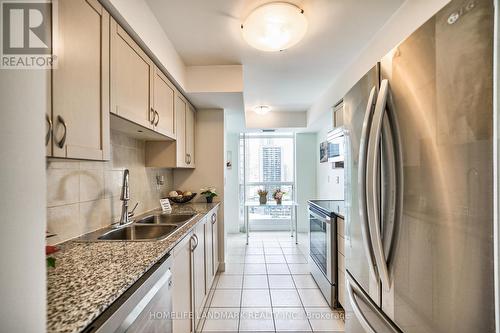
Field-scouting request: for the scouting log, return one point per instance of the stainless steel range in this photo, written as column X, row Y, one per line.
column 323, row 247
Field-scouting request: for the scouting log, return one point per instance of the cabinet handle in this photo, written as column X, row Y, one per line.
column 214, row 218
column 61, row 143
column 152, row 120
column 158, row 118
column 49, row 131
column 188, row 158
column 194, row 239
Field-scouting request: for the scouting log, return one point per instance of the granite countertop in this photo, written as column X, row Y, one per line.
column 89, row 277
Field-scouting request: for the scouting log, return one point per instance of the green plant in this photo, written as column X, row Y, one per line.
column 209, row 192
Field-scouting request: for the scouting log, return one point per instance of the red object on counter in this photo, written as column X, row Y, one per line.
column 49, row 249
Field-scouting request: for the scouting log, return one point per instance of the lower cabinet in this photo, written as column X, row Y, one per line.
column 195, row 262
column 211, row 249
column 198, row 269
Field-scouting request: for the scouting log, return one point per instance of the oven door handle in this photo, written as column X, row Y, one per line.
column 327, row 219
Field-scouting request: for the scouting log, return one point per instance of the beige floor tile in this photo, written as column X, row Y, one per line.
column 281, row 282
column 255, row 298
column 277, row 269
column 232, row 269
column 225, row 298
column 304, row 281
column 275, row 259
column 255, row 282
column 295, row 259
column 251, row 269
column 256, row 320
column 291, row 319
column 312, row 297
column 299, row 268
column 255, row 250
column 255, row 259
column 230, row 282
column 272, row 250
column 222, row 320
column 285, row 298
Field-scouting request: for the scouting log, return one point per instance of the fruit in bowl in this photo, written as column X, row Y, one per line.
column 181, row 196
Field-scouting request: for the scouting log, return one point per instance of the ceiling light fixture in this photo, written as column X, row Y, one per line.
column 262, row 109
column 275, row 26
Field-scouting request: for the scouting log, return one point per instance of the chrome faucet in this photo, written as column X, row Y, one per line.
column 125, row 197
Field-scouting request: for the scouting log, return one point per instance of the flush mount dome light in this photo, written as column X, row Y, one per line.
column 274, row 26
column 262, row 109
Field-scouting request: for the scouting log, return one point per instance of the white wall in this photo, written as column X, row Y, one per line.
column 231, row 187
column 23, row 104
column 327, row 186
column 411, row 15
column 305, row 176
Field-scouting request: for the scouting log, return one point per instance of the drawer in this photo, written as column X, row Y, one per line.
column 341, row 288
column 341, row 244
column 340, row 226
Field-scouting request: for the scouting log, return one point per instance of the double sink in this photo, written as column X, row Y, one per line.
column 152, row 226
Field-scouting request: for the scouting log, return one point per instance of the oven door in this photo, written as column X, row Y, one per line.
column 320, row 242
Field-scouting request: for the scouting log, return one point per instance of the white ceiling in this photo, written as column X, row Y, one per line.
column 207, row 32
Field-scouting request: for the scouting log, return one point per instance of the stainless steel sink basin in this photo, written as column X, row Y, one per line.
column 139, row 232
column 161, row 219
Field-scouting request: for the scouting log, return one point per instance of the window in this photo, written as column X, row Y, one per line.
column 267, row 163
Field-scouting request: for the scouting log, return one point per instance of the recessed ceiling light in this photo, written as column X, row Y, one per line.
column 262, row 109
column 274, row 26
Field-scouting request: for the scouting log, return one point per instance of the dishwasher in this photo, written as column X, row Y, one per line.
column 145, row 307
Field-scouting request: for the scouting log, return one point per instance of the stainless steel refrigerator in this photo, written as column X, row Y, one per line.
column 419, row 174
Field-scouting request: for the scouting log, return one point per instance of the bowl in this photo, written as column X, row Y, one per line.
column 182, row 198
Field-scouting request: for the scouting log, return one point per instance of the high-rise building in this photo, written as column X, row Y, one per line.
column 271, row 164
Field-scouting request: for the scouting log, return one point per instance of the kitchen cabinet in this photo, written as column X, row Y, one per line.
column 198, row 260
column 181, row 277
column 190, row 129
column 132, row 76
column 79, row 122
column 191, row 274
column 179, row 153
column 163, row 104
column 211, row 249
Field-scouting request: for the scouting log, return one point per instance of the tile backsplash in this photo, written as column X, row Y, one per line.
column 83, row 196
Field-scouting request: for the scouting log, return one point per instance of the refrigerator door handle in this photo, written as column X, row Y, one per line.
column 389, row 127
column 353, row 291
column 362, row 196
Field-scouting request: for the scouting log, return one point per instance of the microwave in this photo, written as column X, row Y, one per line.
column 336, row 146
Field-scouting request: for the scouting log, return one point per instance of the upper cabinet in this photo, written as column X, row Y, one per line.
column 179, row 153
column 132, row 76
column 189, row 128
column 79, row 122
column 163, row 104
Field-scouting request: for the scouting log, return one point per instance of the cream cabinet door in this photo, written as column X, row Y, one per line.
column 190, row 129
column 80, row 83
column 215, row 240
column 209, row 243
column 199, row 271
column 181, row 279
column 180, row 130
column 164, row 104
column 132, row 73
